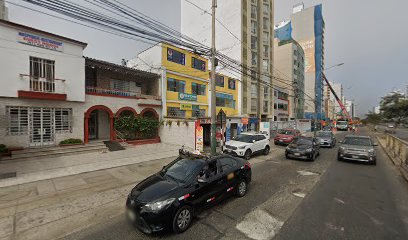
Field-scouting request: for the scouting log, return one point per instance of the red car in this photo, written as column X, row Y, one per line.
column 286, row 136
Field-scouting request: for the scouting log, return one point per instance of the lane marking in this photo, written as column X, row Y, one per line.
column 339, row 200
column 299, row 194
column 307, row 173
column 259, row 225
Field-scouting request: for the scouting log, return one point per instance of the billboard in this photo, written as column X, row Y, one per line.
column 309, row 49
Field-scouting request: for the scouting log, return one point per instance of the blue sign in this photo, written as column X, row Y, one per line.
column 228, row 134
column 225, row 96
column 187, row 97
column 284, row 32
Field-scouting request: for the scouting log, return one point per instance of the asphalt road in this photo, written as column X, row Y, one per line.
column 353, row 201
column 342, row 201
column 400, row 132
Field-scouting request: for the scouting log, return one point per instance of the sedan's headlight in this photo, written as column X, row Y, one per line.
column 309, row 150
column 371, row 151
column 243, row 147
column 157, row 206
column 341, row 149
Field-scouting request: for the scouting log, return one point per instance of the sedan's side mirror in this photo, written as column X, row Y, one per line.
column 375, row 145
column 253, row 141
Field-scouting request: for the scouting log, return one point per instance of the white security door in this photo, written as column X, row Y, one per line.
column 42, row 126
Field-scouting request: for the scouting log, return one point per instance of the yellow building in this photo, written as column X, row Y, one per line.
column 226, row 91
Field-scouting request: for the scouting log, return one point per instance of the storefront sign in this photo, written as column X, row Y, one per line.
column 205, row 121
column 244, row 120
column 38, row 41
column 186, row 106
column 199, row 139
column 187, row 97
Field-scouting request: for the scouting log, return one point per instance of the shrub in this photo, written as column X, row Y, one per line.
column 71, row 141
column 137, row 127
column 3, row 148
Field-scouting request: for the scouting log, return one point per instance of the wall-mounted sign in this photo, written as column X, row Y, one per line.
column 186, row 106
column 39, row 41
column 199, row 139
column 187, row 97
column 244, row 120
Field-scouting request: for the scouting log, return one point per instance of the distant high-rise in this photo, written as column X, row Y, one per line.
column 306, row 26
column 3, row 11
column 246, row 35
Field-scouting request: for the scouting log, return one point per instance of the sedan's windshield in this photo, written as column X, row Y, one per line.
column 302, row 141
column 181, row 170
column 357, row 141
column 323, row 134
column 243, row 138
column 286, row 132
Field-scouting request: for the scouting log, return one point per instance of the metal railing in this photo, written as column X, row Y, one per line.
column 120, row 93
column 45, row 85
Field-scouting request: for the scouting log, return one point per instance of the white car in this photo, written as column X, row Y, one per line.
column 247, row 144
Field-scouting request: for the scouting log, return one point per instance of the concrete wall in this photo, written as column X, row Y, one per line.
column 178, row 134
column 15, row 60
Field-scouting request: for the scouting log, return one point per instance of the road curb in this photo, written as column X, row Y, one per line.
column 404, row 172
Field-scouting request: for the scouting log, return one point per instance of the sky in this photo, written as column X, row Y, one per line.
column 369, row 36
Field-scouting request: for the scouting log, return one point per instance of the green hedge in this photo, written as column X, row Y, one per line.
column 3, row 148
column 137, row 127
column 71, row 141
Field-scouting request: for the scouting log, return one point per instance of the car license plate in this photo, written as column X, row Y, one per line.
column 354, row 157
column 280, row 140
column 297, row 154
column 131, row 215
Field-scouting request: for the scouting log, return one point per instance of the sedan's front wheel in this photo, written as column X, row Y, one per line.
column 182, row 220
column 247, row 154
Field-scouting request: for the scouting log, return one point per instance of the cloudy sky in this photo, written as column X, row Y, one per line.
column 369, row 36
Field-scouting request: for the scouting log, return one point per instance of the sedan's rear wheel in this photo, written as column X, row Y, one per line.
column 242, row 188
column 182, row 220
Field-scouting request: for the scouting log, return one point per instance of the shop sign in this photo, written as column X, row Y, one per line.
column 199, row 139
column 187, row 97
column 244, row 120
column 38, row 41
column 186, row 106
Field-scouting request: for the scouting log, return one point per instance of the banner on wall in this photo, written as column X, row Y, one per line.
column 199, row 139
column 309, row 49
column 40, row 41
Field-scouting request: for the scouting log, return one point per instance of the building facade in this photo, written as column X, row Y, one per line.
column 289, row 65
column 3, row 10
column 246, row 35
column 281, row 104
column 52, row 93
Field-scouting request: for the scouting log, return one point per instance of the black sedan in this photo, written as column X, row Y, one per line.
column 170, row 198
column 303, row 148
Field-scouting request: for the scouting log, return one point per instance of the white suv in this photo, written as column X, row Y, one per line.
column 246, row 144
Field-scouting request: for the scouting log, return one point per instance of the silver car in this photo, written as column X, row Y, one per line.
column 357, row 148
column 326, row 139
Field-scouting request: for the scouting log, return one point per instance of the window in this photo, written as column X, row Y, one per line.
column 275, row 93
column 266, row 106
column 253, row 11
column 231, row 84
column 42, row 68
column 63, row 120
column 253, row 42
column 266, row 92
column 253, row 1
column 17, row 120
column 224, row 100
column 174, row 85
column 254, row 58
column 198, row 89
column 227, row 163
column 253, row 27
column 265, row 38
column 253, row 104
column 219, row 80
column 265, row 51
column 197, row 112
column 176, row 56
column 260, row 137
column 175, row 112
column 266, row 9
column 197, row 64
column 265, row 65
column 275, row 106
column 120, row 85
column 265, row 23
column 253, row 75
column 254, row 91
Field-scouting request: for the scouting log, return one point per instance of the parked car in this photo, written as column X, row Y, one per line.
column 390, row 128
column 357, row 148
column 171, row 198
column 286, row 136
column 327, row 128
column 326, row 139
column 303, row 148
column 247, row 144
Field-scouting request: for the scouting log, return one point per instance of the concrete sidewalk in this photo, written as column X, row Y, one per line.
column 54, row 167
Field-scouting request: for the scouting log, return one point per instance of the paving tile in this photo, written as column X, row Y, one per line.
column 38, row 203
column 68, row 182
column 45, row 187
column 97, row 179
column 6, row 226
column 8, row 211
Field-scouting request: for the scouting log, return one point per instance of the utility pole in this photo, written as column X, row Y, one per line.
column 213, row 96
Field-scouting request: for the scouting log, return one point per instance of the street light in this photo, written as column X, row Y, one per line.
column 337, row 65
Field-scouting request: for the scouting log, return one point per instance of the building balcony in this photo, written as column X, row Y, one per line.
column 118, row 93
column 42, row 88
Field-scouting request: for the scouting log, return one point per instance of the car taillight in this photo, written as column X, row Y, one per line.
column 247, row 165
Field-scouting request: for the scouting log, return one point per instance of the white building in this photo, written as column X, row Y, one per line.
column 3, row 11
column 44, row 99
column 281, row 104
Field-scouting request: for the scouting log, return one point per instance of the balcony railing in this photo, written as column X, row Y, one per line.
column 43, row 85
column 119, row 93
